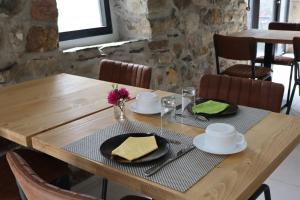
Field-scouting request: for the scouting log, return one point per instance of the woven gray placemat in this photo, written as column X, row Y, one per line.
column 179, row 175
column 245, row 118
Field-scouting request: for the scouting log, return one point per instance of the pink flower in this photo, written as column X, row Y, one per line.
column 116, row 95
column 124, row 94
column 113, row 97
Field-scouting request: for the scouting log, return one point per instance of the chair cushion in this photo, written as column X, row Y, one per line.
column 33, row 186
column 8, row 187
column 278, row 60
column 244, row 71
column 41, row 163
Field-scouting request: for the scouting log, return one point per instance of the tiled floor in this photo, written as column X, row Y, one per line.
column 284, row 182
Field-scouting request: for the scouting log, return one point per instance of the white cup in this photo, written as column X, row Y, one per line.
column 222, row 137
column 146, row 101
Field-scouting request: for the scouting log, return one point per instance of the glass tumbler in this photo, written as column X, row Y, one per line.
column 188, row 97
column 168, row 109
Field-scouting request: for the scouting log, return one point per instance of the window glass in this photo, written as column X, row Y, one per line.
column 79, row 14
column 83, row 18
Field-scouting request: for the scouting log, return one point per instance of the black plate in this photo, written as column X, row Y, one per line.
column 109, row 145
column 231, row 110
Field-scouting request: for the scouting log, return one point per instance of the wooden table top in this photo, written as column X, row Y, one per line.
column 237, row 177
column 269, row 36
column 35, row 106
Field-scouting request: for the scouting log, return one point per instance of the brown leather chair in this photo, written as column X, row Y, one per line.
column 125, row 73
column 36, row 188
column 253, row 93
column 239, row 48
column 41, row 163
column 282, row 60
column 296, row 45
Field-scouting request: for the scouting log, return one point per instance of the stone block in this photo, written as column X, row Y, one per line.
column 163, row 26
column 164, row 58
column 158, row 9
column 158, row 45
column 89, row 53
column 213, row 17
column 182, row 4
column 10, row 7
column 177, row 48
column 44, row 10
column 40, row 39
column 172, row 76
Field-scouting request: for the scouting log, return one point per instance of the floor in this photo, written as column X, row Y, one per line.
column 284, row 182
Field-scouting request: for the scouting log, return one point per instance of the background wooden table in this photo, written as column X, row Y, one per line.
column 237, row 177
column 270, row 37
column 35, row 106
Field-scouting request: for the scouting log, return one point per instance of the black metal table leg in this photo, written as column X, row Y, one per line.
column 269, row 56
column 104, row 188
column 264, row 188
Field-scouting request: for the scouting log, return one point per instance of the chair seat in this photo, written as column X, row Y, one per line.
column 278, row 60
column 47, row 167
column 245, row 71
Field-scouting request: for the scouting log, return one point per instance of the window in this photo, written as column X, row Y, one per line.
column 83, row 18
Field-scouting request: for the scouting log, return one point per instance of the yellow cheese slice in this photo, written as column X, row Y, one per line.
column 135, row 147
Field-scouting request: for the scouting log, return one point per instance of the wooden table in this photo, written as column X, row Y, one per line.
column 237, row 177
column 32, row 107
column 270, row 37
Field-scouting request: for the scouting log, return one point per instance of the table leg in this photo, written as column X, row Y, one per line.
column 269, row 56
column 104, row 188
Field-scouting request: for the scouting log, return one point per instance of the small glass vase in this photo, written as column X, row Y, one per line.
column 119, row 111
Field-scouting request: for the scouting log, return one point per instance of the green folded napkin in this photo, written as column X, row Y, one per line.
column 210, row 107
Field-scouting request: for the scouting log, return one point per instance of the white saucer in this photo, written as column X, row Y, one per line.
column 198, row 141
column 155, row 110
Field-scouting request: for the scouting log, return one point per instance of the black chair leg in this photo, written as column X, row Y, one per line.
column 291, row 100
column 104, row 188
column 264, row 188
column 290, row 83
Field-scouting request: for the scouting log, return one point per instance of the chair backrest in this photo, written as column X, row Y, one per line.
column 36, row 188
column 235, row 48
column 296, row 45
column 284, row 26
column 253, row 93
column 125, row 73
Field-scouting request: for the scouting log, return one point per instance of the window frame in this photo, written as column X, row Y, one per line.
column 83, row 33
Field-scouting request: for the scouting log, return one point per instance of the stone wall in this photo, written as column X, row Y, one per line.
column 131, row 19
column 177, row 39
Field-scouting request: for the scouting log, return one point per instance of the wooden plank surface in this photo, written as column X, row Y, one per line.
column 269, row 36
column 237, row 177
column 35, row 106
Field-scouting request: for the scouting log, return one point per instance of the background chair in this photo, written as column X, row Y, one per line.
column 253, row 93
column 125, row 73
column 281, row 59
column 42, row 164
column 36, row 188
column 296, row 45
column 239, row 48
